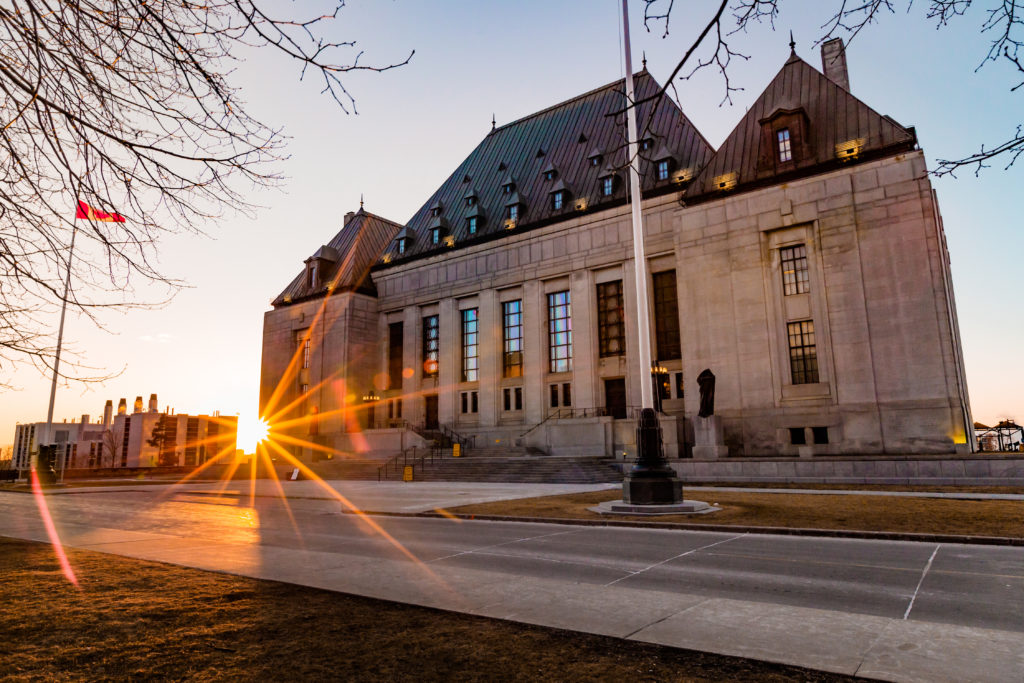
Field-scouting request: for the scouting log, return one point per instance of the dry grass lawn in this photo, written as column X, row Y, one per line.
column 146, row 621
column 809, row 511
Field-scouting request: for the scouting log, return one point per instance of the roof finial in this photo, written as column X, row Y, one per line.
column 360, row 201
column 644, row 60
column 493, row 122
column 792, row 43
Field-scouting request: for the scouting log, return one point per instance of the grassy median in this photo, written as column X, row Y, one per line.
column 793, row 510
column 138, row 620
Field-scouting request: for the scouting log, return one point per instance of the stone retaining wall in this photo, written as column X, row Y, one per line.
column 970, row 470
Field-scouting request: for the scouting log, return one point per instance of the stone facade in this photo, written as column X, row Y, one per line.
column 876, row 295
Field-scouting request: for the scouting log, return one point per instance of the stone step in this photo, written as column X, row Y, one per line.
column 524, row 470
column 498, row 452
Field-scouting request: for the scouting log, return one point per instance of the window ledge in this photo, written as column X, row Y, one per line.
column 803, row 392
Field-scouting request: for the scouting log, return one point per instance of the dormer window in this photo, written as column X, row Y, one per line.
column 435, row 212
column 549, row 175
column 513, row 212
column 402, row 243
column 786, row 142
column 663, row 169
column 558, row 200
column 470, row 201
column 318, row 267
column 508, row 187
column 785, row 147
column 607, row 186
column 595, row 157
column 646, row 144
column 471, row 224
column 594, row 161
column 435, row 236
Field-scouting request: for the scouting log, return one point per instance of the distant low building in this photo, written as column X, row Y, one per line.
column 1007, row 435
column 137, row 439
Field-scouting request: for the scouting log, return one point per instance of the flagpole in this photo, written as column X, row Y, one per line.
column 651, row 481
column 636, row 199
column 56, row 360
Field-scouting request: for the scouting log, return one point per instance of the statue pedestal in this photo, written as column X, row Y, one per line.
column 709, row 438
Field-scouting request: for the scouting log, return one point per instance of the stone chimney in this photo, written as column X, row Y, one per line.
column 348, row 217
column 85, row 419
column 108, row 413
column 137, row 408
column 122, row 407
column 153, row 407
column 833, row 63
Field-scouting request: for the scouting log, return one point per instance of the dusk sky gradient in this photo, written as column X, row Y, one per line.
column 201, row 352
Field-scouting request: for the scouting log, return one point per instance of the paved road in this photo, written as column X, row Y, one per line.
column 897, row 610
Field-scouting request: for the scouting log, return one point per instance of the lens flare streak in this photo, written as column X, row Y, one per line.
column 51, row 530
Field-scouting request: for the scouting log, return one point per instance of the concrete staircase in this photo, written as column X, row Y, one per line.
column 523, row 469
column 499, row 464
column 350, row 469
column 503, row 452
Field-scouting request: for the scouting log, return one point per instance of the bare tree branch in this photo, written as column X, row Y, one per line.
column 129, row 107
column 1003, row 23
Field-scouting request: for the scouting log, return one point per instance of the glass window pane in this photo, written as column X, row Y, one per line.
column 559, row 332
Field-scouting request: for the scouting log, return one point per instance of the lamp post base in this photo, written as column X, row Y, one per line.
column 646, row 490
column 651, row 481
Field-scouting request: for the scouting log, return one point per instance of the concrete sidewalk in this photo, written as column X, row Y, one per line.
column 492, row 582
column 377, row 496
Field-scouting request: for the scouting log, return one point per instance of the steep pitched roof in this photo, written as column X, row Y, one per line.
column 567, row 133
column 832, row 117
column 357, row 246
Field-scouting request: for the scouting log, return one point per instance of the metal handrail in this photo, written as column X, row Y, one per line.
column 402, row 460
column 552, row 416
column 464, row 441
column 580, row 413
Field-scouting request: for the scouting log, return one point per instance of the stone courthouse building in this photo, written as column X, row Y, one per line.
column 803, row 262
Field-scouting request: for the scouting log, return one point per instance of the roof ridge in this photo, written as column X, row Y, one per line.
column 379, row 217
column 571, row 100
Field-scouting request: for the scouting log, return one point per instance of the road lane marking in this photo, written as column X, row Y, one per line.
column 921, row 581
column 498, row 545
column 688, row 552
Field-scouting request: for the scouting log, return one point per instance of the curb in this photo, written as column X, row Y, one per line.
column 780, row 531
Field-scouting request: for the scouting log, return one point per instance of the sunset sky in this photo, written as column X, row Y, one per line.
column 201, row 352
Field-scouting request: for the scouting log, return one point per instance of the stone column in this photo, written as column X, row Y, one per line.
column 411, row 408
column 584, row 334
column 535, row 351
column 448, row 353
column 489, row 350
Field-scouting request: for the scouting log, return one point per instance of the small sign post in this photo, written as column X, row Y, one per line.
column 407, row 473
column 456, row 450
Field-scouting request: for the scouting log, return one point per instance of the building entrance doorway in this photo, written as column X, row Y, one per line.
column 430, row 420
column 615, row 397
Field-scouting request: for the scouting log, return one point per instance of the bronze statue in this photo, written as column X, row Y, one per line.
column 706, row 382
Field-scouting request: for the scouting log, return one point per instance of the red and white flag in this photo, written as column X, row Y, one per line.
column 86, row 211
